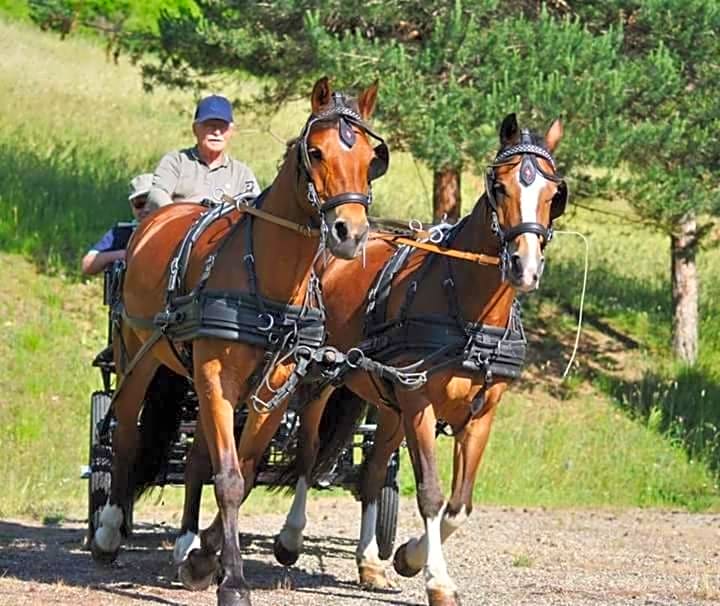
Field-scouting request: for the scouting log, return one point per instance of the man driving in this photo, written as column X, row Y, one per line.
column 204, row 170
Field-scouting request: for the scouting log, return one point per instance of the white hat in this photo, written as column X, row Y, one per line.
column 140, row 185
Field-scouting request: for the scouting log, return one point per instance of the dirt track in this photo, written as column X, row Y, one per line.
column 501, row 557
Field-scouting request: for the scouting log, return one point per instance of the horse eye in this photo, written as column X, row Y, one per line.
column 499, row 189
column 315, row 154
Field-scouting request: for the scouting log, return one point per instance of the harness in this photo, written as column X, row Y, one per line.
column 436, row 341
column 346, row 117
column 287, row 333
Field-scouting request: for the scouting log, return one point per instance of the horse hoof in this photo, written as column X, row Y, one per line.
column 102, row 557
column 373, row 577
column 400, row 563
column 233, row 597
column 283, row 555
column 441, row 598
column 198, row 572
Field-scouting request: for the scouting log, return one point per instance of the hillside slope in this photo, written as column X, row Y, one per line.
column 73, row 129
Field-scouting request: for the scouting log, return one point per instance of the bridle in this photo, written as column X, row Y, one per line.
column 529, row 167
column 346, row 118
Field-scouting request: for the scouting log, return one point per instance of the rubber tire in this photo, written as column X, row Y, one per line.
column 99, row 482
column 387, row 517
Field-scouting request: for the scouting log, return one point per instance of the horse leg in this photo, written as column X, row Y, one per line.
column 125, row 441
column 288, row 543
column 469, row 448
column 468, row 451
column 411, row 557
column 388, row 437
column 218, row 394
column 197, row 572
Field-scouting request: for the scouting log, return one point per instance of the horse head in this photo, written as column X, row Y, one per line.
column 525, row 194
column 340, row 164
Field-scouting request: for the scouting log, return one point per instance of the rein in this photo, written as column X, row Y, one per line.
column 479, row 258
column 303, row 230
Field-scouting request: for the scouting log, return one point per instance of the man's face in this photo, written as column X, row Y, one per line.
column 213, row 135
column 139, row 207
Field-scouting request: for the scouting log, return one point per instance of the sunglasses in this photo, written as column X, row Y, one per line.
column 139, row 202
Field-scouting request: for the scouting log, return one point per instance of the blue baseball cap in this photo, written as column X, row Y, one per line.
column 213, row 107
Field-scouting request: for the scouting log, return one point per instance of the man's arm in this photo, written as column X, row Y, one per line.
column 94, row 262
column 165, row 180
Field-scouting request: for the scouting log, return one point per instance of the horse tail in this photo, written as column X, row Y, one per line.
column 159, row 424
column 341, row 415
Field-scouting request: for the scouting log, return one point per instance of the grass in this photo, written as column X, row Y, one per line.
column 628, row 428
column 51, row 327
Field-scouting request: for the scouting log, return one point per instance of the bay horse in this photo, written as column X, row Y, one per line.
column 450, row 318
column 208, row 292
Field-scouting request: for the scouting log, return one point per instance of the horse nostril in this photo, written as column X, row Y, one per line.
column 341, row 230
column 516, row 264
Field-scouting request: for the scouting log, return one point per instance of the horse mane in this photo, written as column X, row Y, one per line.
column 289, row 144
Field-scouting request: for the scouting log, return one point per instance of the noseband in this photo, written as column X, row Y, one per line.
column 346, row 118
column 529, row 167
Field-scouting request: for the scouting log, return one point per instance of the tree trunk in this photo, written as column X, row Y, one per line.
column 684, row 244
column 446, row 195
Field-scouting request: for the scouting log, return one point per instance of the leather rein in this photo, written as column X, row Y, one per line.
column 303, row 230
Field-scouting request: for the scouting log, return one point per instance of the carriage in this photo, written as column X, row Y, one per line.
column 166, row 384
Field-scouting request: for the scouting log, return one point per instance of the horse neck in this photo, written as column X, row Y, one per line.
column 482, row 295
column 283, row 257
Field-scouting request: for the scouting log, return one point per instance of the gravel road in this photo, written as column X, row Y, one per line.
column 503, row 556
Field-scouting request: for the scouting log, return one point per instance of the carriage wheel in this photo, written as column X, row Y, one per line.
column 388, row 504
column 100, row 461
column 386, row 527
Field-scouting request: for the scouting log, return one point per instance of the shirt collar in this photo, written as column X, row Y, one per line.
column 195, row 153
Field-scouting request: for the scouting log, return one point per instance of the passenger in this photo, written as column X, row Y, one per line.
column 202, row 171
column 111, row 246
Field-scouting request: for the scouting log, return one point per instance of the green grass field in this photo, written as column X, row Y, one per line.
column 628, row 429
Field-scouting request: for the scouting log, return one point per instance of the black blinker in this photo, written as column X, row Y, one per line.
column 379, row 164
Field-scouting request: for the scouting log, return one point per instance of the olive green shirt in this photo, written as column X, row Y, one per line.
column 182, row 175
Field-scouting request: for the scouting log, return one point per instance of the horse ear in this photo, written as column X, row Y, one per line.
column 553, row 135
column 366, row 101
column 320, row 94
column 509, row 131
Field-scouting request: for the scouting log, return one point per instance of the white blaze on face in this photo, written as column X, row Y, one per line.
column 529, row 202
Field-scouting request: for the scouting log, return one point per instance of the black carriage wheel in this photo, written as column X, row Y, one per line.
column 100, row 460
column 387, row 516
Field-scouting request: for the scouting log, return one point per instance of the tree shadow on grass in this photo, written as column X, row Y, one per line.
column 681, row 406
column 54, row 206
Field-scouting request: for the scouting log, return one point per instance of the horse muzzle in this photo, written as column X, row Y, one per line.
column 346, row 238
column 525, row 269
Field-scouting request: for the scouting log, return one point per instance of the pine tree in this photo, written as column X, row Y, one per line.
column 448, row 70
